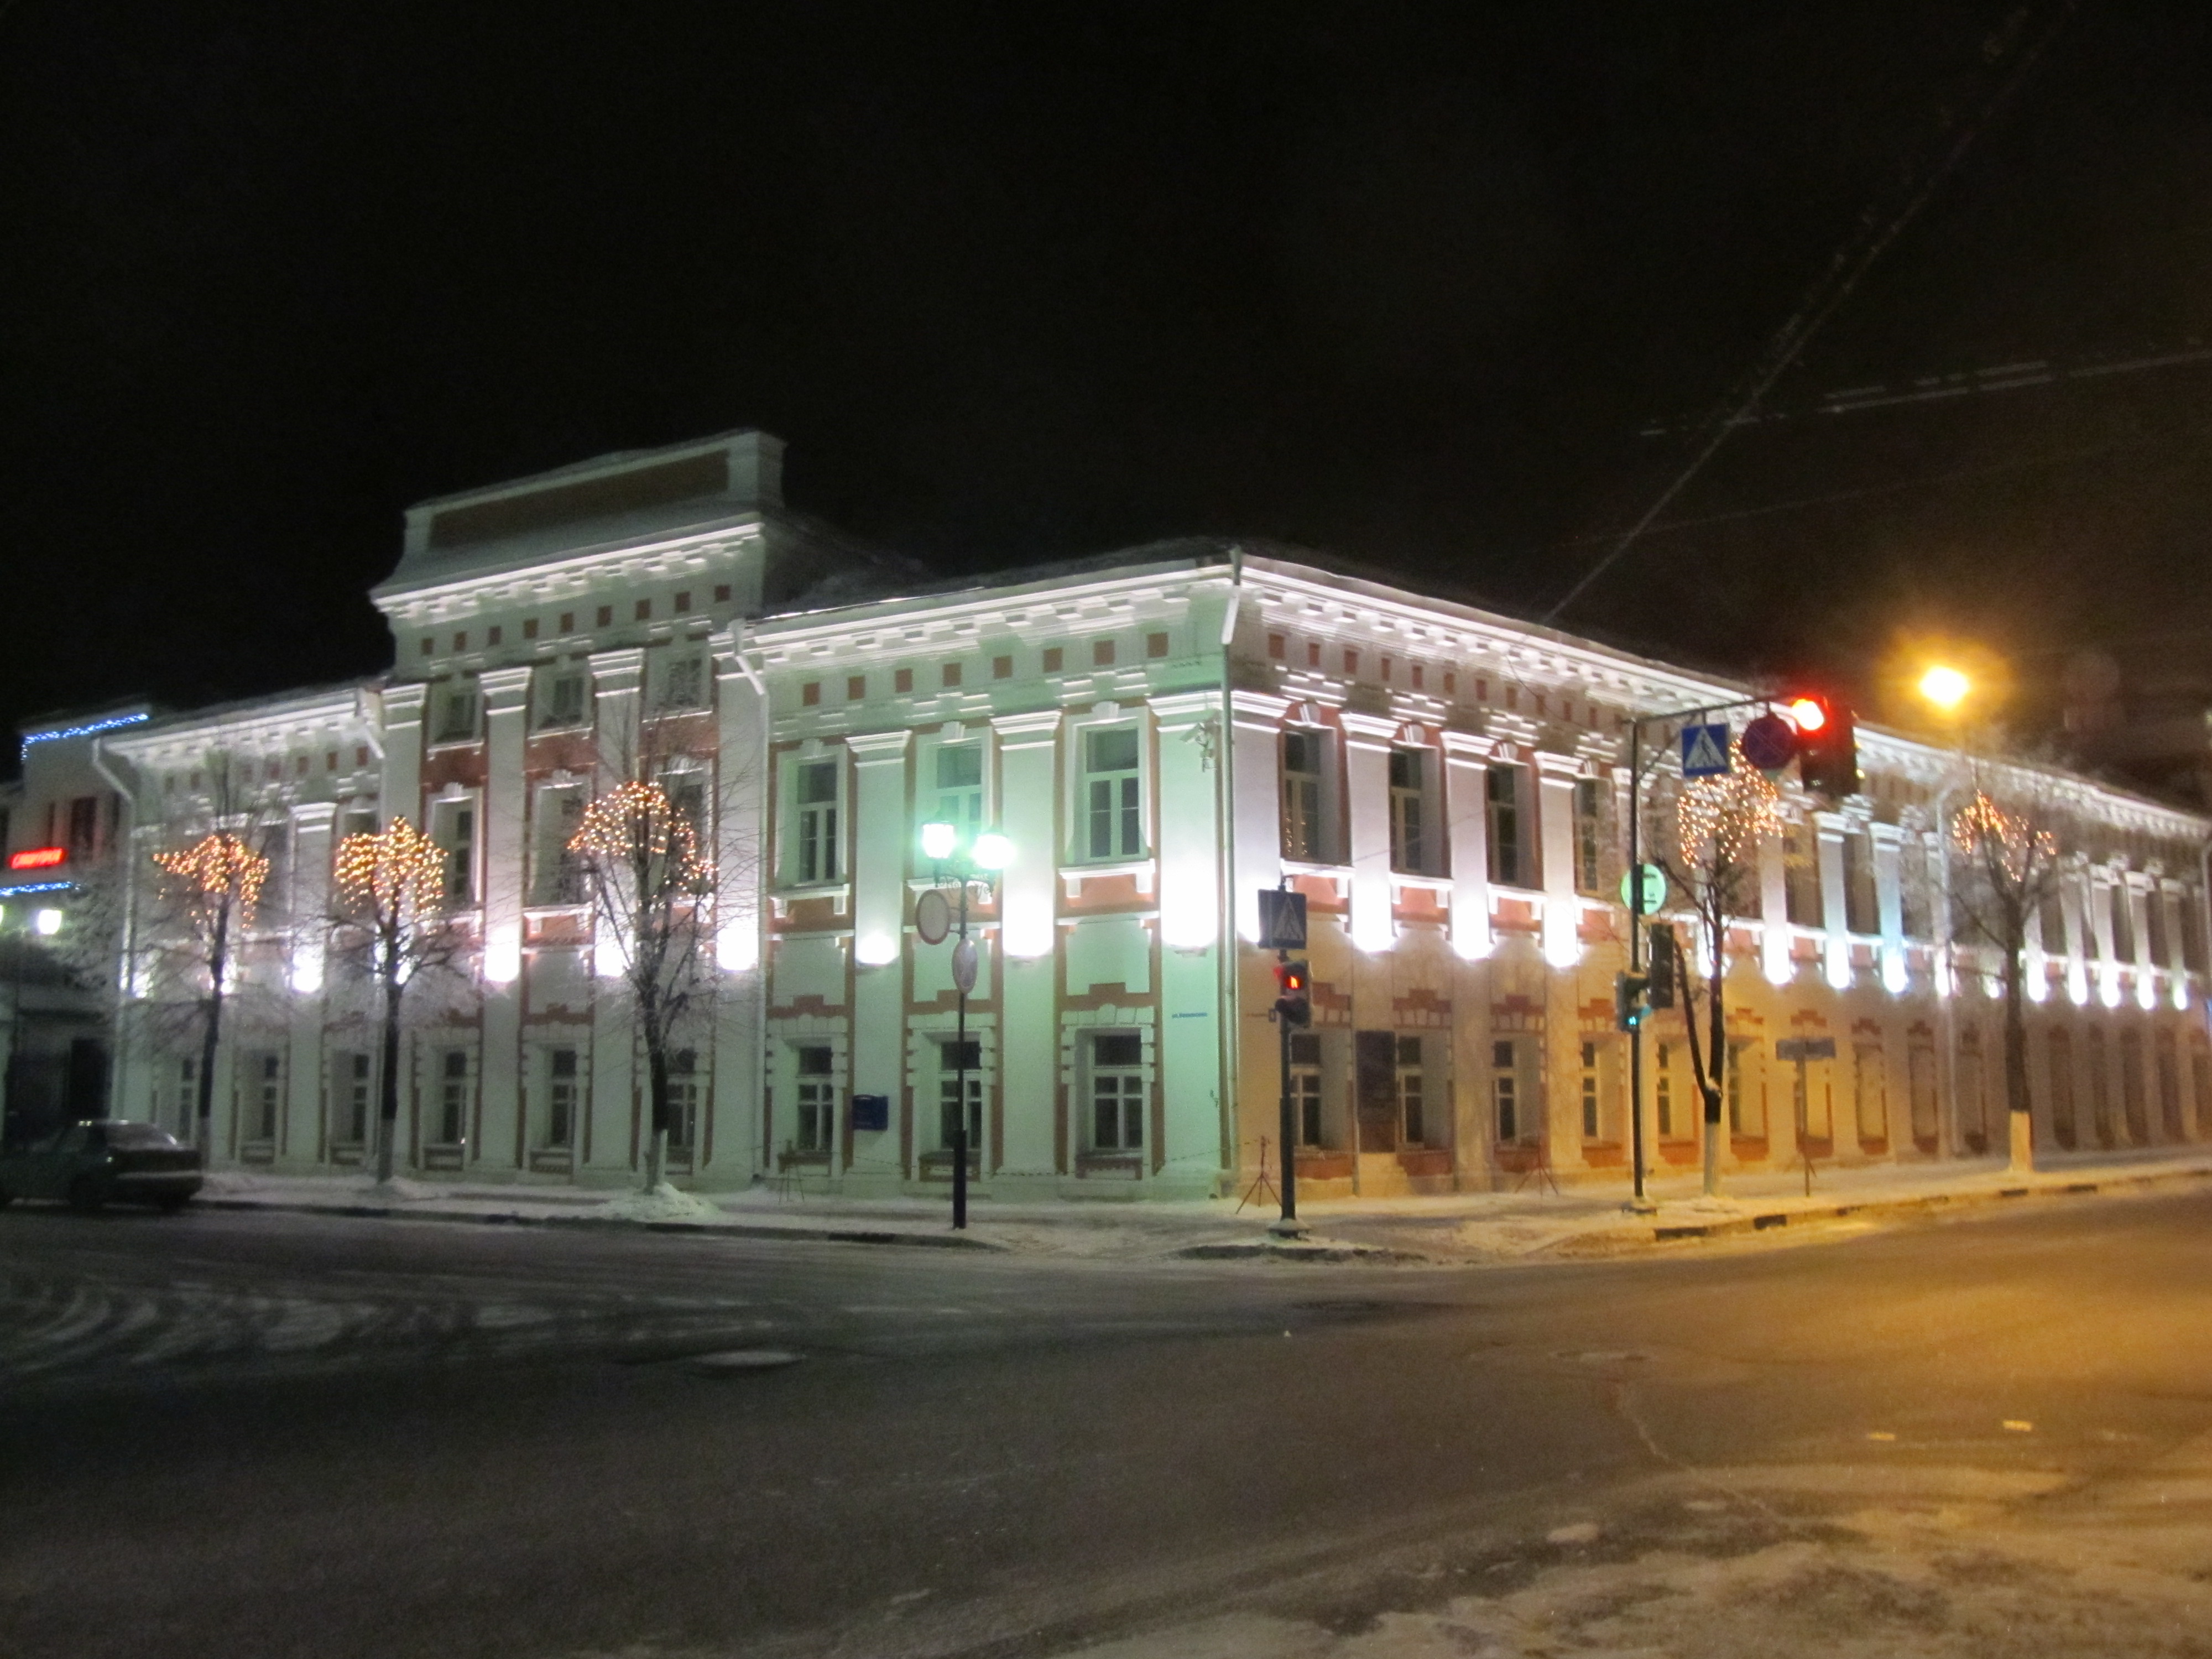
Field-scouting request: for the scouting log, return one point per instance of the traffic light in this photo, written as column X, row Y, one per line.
column 1659, row 992
column 1294, row 1006
column 1629, row 1008
column 1827, row 743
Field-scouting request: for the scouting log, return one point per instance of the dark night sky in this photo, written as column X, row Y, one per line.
column 1015, row 284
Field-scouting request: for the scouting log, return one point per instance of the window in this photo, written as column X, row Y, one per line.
column 1112, row 805
column 902, row 680
column 2062, row 1087
column 1920, row 1085
column 452, row 1096
column 561, row 1100
column 682, row 1100
column 350, row 1104
column 1305, row 833
column 1801, row 877
column 959, row 1063
column 1916, row 889
column 2100, row 1090
column 265, row 1097
column 1593, row 1094
column 455, row 830
column 188, row 1097
column 817, row 1098
column 559, row 872
column 1102, row 653
column 1861, row 911
column 1509, row 852
column 1869, row 1093
column 1412, row 833
column 2052, row 917
column 1662, row 1088
column 84, row 825
column 1412, row 1086
column 958, row 799
column 817, row 789
column 1589, row 836
column 1305, row 1086
column 1746, row 1096
column 683, row 683
column 1505, row 1088
column 457, row 715
column 2123, row 929
column 2154, row 926
column 1117, row 1091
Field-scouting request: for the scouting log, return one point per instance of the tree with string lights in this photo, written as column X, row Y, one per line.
column 651, row 886
column 2005, row 866
column 388, row 889
column 1710, row 843
column 208, row 892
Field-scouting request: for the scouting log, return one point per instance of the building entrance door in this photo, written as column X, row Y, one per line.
column 1375, row 1087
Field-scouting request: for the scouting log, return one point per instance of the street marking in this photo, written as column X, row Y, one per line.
column 2015, row 1426
column 1879, row 1434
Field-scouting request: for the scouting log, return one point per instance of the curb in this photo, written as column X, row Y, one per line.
column 1280, row 1250
column 1891, row 1207
column 507, row 1218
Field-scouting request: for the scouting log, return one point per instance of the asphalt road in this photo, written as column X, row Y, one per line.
column 230, row 1434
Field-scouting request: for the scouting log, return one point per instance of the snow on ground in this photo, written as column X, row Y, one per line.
column 661, row 1203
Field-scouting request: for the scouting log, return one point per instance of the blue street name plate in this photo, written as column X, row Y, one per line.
column 872, row 1112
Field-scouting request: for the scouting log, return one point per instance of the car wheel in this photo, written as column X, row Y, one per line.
column 173, row 1203
column 84, row 1194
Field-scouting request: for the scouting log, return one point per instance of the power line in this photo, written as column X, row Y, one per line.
column 1868, row 243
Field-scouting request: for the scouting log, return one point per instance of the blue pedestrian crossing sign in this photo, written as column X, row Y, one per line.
column 1705, row 751
column 1282, row 920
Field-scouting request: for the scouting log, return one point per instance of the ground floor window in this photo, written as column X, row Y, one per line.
column 2062, row 1087
column 2131, row 1088
column 683, row 1099
column 561, row 1100
column 1869, row 1093
column 1506, row 1090
column 264, row 1095
column 954, row 1059
column 1663, row 1087
column 1412, row 1091
column 2100, row 1090
column 452, row 1096
column 817, row 1096
column 1117, row 1091
column 2169, row 1089
column 1745, row 1098
column 1305, row 1086
column 1920, row 1080
column 351, row 1089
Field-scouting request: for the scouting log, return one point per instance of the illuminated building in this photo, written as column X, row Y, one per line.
column 1161, row 733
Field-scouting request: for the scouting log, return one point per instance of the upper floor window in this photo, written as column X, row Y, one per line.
column 454, row 827
column 816, row 789
column 958, row 798
column 1112, row 800
column 84, row 825
column 1510, row 863
column 1801, row 877
column 457, row 715
column 1305, row 796
column 1415, row 846
column 2123, row 924
column 683, row 683
column 1589, row 836
column 1862, row 906
column 564, row 696
column 558, row 872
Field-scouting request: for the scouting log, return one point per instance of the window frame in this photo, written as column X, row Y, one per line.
column 1506, row 820
column 1132, row 1096
column 1136, row 793
column 1418, row 800
column 1322, row 845
column 805, row 833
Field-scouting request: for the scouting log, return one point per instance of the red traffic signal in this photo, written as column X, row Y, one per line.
column 1827, row 743
column 1294, row 1006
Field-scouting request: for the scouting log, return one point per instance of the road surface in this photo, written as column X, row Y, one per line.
column 229, row 1434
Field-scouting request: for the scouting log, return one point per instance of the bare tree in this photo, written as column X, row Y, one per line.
column 1710, row 841
column 390, row 921
column 651, row 885
column 2005, row 867
column 207, row 892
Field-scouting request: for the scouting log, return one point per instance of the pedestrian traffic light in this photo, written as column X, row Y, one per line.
column 1659, row 992
column 1294, row 1006
column 1827, row 743
column 1629, row 1008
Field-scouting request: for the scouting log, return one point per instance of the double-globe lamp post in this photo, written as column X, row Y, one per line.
column 964, row 859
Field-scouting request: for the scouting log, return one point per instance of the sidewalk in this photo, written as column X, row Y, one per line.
column 1461, row 1228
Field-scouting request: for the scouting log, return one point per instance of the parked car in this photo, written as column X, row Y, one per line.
column 86, row 1164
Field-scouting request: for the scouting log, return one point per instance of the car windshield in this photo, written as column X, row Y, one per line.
column 137, row 1137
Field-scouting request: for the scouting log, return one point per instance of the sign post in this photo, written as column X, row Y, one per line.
column 1282, row 930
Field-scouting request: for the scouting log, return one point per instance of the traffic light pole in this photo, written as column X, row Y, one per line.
column 1287, row 1225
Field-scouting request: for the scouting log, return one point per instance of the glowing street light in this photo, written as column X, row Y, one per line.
column 1945, row 686
column 985, row 854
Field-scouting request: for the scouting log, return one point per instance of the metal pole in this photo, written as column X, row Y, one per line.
column 960, row 1090
column 1635, row 950
column 1289, row 1221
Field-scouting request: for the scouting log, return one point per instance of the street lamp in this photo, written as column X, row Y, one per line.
column 1945, row 687
column 982, row 855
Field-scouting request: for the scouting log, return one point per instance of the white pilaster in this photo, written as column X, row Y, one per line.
column 1257, row 812
column 310, row 841
column 881, row 833
column 1192, row 1068
column 1029, row 1047
column 1889, row 905
column 1555, row 825
column 1367, row 791
column 1829, row 829
column 403, row 753
column 1467, row 816
column 505, row 809
column 740, row 845
column 612, row 1113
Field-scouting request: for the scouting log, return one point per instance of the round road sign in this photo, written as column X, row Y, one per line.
column 1770, row 743
column 932, row 917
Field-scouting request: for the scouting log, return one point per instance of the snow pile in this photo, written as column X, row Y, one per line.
column 399, row 1190
column 661, row 1203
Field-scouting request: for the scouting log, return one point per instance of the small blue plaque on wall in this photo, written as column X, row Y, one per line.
column 872, row 1112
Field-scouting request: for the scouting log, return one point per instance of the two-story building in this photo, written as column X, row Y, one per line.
column 1160, row 734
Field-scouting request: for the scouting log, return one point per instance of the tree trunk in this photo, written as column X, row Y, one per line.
column 1717, row 1069
column 218, row 964
column 387, row 1083
column 656, row 1072
column 2020, row 1119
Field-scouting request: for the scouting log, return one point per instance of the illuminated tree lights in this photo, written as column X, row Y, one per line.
column 1719, row 820
column 217, row 872
column 395, row 870
column 636, row 826
column 2006, row 842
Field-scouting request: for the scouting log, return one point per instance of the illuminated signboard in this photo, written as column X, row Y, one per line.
column 37, row 858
